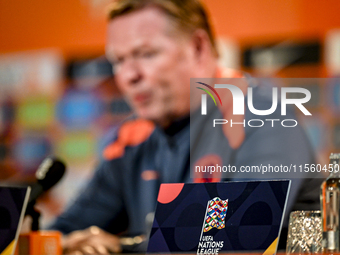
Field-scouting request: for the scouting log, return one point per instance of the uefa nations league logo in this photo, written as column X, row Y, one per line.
column 214, row 218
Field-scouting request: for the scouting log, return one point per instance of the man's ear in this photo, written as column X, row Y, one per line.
column 202, row 46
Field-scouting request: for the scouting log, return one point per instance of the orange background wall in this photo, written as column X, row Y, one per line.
column 76, row 28
column 258, row 19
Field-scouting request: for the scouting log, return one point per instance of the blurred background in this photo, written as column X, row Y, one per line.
column 58, row 97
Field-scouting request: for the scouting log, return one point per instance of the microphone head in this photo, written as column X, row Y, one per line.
column 50, row 172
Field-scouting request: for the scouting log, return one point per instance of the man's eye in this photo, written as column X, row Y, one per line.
column 117, row 62
column 149, row 54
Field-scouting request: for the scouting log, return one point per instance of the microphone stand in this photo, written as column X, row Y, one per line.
column 35, row 215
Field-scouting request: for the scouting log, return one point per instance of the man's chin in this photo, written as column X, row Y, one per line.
column 148, row 115
column 156, row 118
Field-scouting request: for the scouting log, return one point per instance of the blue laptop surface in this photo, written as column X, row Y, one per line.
column 208, row 218
column 13, row 202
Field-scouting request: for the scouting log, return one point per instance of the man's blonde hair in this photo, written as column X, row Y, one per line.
column 188, row 15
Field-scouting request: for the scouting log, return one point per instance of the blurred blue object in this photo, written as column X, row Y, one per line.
column 78, row 109
column 316, row 131
column 334, row 94
column 31, row 150
column 6, row 115
column 119, row 106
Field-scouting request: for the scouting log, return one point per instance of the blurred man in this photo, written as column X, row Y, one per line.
column 155, row 46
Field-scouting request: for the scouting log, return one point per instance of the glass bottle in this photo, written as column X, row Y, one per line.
column 330, row 201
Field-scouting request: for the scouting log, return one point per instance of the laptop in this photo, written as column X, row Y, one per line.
column 208, row 218
column 13, row 203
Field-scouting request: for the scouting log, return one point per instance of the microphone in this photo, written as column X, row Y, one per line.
column 49, row 173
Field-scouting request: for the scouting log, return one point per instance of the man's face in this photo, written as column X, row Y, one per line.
column 153, row 65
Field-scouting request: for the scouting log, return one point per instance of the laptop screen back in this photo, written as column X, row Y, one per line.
column 13, row 202
column 211, row 217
